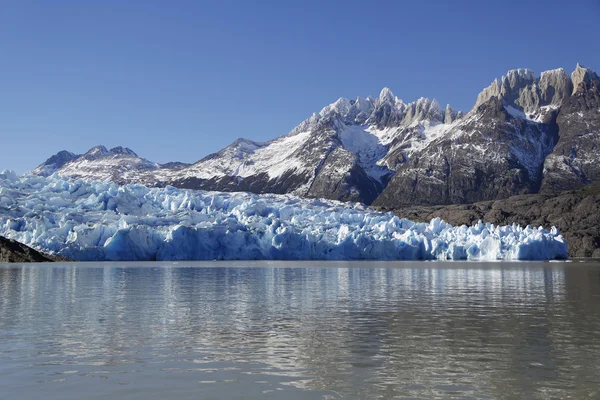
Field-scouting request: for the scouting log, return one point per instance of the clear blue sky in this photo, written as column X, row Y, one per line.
column 177, row 80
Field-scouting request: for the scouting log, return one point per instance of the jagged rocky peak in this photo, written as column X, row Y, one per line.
column 386, row 96
column 123, row 150
column 340, row 107
column 348, row 111
column 306, row 125
column 99, row 150
column 363, row 107
column 508, row 87
column 61, row 157
column 386, row 111
column 521, row 89
column 552, row 88
column 390, row 111
column 582, row 77
column 555, row 85
column 491, row 91
column 175, row 165
column 451, row 115
column 54, row 163
column 423, row 109
column 514, row 81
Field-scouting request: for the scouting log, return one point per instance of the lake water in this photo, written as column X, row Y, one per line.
column 300, row 330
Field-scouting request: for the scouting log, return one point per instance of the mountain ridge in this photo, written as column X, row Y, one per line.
column 518, row 138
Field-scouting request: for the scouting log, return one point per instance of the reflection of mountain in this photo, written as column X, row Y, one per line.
column 500, row 329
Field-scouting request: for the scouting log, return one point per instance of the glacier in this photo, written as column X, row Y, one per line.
column 101, row 221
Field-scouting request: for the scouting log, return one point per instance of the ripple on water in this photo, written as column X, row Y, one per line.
column 340, row 330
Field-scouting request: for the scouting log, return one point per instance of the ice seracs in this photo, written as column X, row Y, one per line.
column 87, row 220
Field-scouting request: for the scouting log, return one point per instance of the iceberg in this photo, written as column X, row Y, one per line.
column 102, row 221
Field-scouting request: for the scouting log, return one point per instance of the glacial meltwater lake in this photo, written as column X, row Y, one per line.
column 295, row 330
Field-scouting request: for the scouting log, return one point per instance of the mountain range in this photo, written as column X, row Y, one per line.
column 525, row 134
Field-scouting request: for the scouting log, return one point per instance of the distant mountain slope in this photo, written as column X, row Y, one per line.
column 119, row 164
column 337, row 153
column 524, row 134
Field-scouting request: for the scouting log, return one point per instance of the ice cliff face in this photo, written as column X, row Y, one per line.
column 524, row 134
column 87, row 220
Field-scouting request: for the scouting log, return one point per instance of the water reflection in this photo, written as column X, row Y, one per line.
column 524, row 330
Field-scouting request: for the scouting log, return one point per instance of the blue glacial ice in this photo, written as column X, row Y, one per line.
column 88, row 220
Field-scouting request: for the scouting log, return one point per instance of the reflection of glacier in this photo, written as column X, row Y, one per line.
column 88, row 220
column 360, row 332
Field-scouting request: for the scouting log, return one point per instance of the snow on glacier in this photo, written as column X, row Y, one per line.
column 89, row 220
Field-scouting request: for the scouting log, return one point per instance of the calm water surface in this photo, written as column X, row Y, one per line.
column 300, row 330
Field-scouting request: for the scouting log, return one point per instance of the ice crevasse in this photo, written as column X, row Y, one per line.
column 89, row 220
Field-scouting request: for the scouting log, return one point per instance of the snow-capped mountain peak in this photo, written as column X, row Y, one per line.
column 97, row 151
column 55, row 163
column 119, row 164
column 340, row 107
column 122, row 150
column 386, row 96
column 395, row 153
column 101, row 151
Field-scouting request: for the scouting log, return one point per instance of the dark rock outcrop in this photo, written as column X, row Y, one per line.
column 12, row 251
column 575, row 213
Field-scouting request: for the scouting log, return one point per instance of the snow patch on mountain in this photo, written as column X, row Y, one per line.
column 245, row 158
column 369, row 148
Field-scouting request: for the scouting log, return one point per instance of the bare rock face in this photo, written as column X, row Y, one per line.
column 489, row 92
column 582, row 77
column 521, row 89
column 552, row 88
column 489, row 154
column 451, row 115
column 515, row 81
column 336, row 181
column 575, row 161
column 555, row 86
column 508, row 88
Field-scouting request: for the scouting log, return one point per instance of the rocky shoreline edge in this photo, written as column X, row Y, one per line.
column 12, row 251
